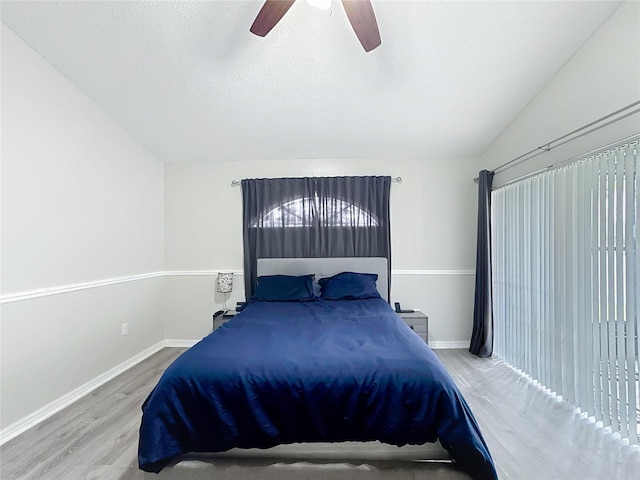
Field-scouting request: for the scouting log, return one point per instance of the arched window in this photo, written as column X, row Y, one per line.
column 308, row 211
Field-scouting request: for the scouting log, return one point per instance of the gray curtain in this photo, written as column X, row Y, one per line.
column 314, row 217
column 482, row 334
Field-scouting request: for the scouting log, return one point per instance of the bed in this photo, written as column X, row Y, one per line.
column 294, row 367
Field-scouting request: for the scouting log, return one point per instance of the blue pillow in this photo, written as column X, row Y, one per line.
column 284, row 288
column 349, row 286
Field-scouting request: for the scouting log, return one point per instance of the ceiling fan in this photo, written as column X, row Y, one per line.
column 359, row 12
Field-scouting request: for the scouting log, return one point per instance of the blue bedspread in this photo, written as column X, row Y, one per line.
column 318, row 371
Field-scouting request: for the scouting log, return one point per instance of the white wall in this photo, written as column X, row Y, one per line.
column 82, row 202
column 602, row 77
column 433, row 215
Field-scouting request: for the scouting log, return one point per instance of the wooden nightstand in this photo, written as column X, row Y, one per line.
column 418, row 322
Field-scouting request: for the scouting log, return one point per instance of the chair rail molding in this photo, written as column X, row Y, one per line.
column 57, row 290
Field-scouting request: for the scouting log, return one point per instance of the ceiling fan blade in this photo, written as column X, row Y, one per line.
column 270, row 14
column 363, row 21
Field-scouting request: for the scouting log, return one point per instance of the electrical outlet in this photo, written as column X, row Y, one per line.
column 125, row 328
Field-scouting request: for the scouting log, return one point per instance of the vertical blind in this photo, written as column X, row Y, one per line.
column 566, row 288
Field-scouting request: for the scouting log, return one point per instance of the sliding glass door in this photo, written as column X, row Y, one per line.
column 566, row 283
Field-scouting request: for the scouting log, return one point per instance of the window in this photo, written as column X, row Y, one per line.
column 305, row 212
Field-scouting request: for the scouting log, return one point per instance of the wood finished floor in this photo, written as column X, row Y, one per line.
column 530, row 434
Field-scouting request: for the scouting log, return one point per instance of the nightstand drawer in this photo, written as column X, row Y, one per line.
column 220, row 319
column 417, row 326
column 218, row 322
column 418, row 322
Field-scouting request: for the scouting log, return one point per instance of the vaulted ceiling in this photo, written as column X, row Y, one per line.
column 191, row 83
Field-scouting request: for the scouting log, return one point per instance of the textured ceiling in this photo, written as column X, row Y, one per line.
column 190, row 82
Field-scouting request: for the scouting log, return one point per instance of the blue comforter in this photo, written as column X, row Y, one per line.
column 321, row 371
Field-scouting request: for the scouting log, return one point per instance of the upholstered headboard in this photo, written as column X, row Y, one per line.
column 326, row 267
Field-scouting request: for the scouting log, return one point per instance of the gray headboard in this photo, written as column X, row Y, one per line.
column 326, row 267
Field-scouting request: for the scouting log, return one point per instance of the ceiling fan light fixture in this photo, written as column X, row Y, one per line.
column 360, row 13
column 323, row 4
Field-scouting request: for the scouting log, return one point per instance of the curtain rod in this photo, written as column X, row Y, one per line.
column 237, row 183
column 625, row 141
column 547, row 147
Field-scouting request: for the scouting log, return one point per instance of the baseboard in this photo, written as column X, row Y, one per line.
column 54, row 407
column 443, row 344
